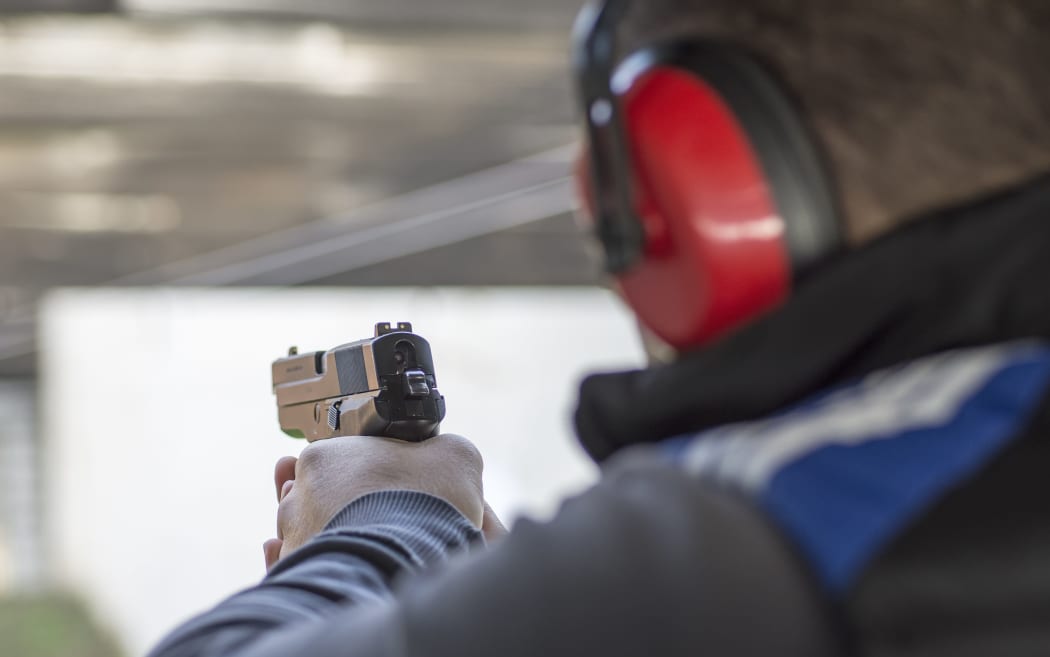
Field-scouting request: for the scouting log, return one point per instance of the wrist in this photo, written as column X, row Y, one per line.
column 422, row 525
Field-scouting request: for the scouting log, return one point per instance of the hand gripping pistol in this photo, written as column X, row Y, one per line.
column 379, row 386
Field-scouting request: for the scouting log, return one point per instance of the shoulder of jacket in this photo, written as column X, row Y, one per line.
column 843, row 472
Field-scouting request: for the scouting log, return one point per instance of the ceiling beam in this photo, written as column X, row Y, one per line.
column 489, row 201
column 58, row 6
column 552, row 14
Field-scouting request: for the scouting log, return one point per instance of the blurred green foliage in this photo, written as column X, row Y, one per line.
column 51, row 626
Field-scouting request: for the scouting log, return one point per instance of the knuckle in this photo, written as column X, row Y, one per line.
column 464, row 449
column 312, row 456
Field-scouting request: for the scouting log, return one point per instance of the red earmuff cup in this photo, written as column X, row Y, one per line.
column 723, row 259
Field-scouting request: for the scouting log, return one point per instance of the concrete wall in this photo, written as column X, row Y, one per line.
column 20, row 549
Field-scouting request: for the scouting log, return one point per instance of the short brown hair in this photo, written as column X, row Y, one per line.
column 916, row 103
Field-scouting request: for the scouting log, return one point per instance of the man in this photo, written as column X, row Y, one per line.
column 860, row 471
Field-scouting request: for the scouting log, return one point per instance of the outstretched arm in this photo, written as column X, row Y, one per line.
column 649, row 562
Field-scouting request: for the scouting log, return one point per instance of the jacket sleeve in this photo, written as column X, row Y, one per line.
column 650, row 561
column 349, row 566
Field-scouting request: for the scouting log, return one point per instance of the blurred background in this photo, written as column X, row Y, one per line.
column 188, row 187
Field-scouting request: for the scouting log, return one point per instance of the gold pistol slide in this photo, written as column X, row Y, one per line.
column 380, row 386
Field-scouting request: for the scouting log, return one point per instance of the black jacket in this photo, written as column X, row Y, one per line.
column 860, row 472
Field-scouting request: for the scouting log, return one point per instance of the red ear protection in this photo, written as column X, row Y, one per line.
column 706, row 191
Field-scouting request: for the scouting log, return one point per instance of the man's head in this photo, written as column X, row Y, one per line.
column 915, row 103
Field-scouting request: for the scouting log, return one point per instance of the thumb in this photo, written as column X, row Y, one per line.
column 491, row 526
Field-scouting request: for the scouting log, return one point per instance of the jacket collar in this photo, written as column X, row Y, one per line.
column 965, row 276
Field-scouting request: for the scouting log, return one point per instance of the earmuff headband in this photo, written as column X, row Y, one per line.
column 594, row 60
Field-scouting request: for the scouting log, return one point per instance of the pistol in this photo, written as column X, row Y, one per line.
column 380, row 386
